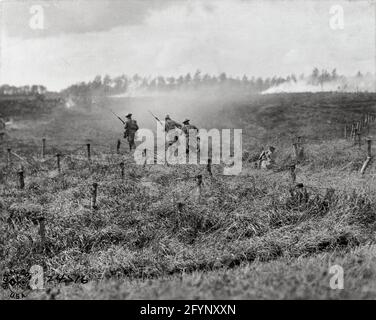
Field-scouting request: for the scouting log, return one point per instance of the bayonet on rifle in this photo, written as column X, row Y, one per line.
column 117, row 116
column 156, row 118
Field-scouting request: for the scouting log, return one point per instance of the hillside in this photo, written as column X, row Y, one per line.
column 150, row 236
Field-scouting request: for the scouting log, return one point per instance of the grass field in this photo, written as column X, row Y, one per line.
column 249, row 237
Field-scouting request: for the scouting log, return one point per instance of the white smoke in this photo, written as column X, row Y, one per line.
column 69, row 103
column 342, row 84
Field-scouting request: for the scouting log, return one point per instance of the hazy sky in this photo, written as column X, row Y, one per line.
column 81, row 39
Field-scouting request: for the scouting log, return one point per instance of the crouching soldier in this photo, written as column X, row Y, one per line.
column 130, row 129
column 267, row 158
column 186, row 128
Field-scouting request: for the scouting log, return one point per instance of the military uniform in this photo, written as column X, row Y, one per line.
column 267, row 158
column 130, row 129
column 186, row 128
column 173, row 130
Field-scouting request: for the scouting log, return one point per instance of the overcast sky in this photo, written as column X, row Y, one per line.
column 81, row 39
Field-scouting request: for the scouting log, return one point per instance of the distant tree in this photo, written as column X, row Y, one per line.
column 153, row 84
column 144, row 83
column 334, row 74
column 180, row 81
column 206, row 79
column 197, row 78
column 107, row 83
column 161, row 83
column 171, row 82
column 136, row 78
column 259, row 84
column 222, row 77
column 187, row 79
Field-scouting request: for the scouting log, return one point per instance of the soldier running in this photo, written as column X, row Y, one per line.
column 186, row 127
column 130, row 129
column 172, row 129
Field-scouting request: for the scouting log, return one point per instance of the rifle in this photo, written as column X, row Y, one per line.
column 117, row 116
column 156, row 118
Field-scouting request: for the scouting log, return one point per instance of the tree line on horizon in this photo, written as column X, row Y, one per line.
column 123, row 83
column 104, row 86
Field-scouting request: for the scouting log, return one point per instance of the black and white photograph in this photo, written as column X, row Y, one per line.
column 210, row 151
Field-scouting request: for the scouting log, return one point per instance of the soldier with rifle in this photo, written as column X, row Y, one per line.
column 171, row 127
column 173, row 130
column 130, row 129
column 187, row 127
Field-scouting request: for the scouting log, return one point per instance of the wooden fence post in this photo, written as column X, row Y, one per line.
column 122, row 169
column 199, row 187
column 180, row 206
column 58, row 162
column 88, row 152
column 369, row 157
column 43, row 147
column 369, row 143
column 293, row 173
column 9, row 157
column 94, row 190
column 42, row 231
column 353, row 130
column 345, row 131
column 295, row 146
column 208, row 167
column 21, row 178
column 358, row 136
column 118, row 146
column 144, row 154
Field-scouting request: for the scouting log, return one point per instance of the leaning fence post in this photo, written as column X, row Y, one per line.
column 9, row 157
column 180, row 206
column 369, row 143
column 144, row 154
column 21, row 178
column 295, row 145
column 358, row 136
column 293, row 173
column 94, row 195
column 208, row 167
column 43, row 147
column 122, row 169
column 58, row 162
column 369, row 157
column 88, row 151
column 42, row 231
column 118, row 146
column 199, row 187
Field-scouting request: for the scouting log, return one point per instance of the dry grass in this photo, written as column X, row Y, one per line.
column 251, row 227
